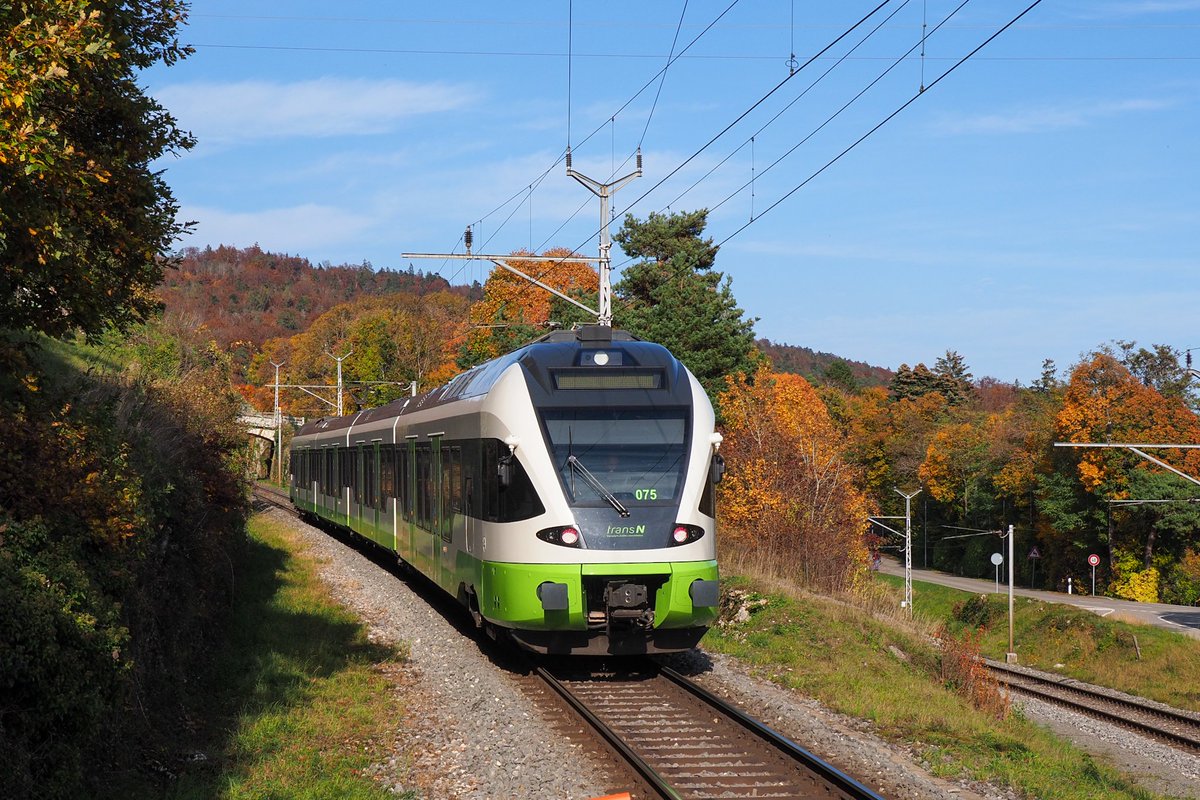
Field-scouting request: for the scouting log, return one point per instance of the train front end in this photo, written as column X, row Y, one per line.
column 617, row 440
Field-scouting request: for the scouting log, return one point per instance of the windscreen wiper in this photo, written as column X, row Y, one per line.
column 594, row 482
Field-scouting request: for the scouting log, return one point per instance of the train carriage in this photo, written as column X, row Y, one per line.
column 562, row 492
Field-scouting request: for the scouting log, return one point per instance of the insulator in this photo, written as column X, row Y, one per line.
column 467, row 238
column 568, row 158
column 639, row 158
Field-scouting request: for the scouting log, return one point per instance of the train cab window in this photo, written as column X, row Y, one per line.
column 637, row 454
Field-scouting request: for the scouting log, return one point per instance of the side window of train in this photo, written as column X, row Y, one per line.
column 408, row 478
column 424, row 492
column 514, row 499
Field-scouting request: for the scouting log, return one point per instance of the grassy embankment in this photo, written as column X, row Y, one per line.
column 299, row 702
column 888, row 671
column 1100, row 650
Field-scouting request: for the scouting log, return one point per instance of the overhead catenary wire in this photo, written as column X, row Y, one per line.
column 740, row 117
column 658, row 93
column 671, row 59
column 874, row 129
column 900, row 60
column 887, row 119
column 841, row 59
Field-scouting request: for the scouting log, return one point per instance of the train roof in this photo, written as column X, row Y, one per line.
column 558, row 349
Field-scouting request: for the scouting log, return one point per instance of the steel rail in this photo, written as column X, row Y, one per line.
column 824, row 769
column 639, row 764
column 1018, row 681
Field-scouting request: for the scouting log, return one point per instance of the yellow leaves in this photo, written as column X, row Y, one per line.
column 1139, row 585
column 788, row 490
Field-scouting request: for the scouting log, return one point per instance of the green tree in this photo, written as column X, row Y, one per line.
column 84, row 221
column 953, row 379
column 674, row 297
column 839, row 374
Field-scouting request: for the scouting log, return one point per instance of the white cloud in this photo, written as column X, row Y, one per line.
column 253, row 109
column 290, row 230
column 1043, row 118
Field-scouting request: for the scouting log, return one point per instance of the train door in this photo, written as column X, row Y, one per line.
column 437, row 506
column 356, row 481
column 408, row 497
column 376, row 499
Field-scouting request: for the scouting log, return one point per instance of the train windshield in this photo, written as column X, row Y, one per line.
column 633, row 456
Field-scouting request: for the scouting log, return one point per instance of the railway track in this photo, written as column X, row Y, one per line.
column 273, row 496
column 1175, row 728
column 680, row 740
column 685, row 742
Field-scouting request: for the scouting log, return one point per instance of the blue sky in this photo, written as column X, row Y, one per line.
column 1040, row 200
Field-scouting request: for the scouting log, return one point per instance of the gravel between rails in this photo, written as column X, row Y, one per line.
column 471, row 734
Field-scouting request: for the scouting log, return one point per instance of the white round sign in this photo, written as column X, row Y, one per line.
column 1094, row 560
column 997, row 559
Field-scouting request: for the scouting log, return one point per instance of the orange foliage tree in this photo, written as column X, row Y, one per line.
column 789, row 496
column 395, row 339
column 1105, row 402
column 514, row 311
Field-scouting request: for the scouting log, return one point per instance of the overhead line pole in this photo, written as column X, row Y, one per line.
column 277, row 418
column 339, row 360
column 907, row 546
column 604, row 191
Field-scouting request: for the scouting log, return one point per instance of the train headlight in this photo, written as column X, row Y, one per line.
column 565, row 535
column 686, row 534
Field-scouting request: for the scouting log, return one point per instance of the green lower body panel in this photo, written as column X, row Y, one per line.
column 601, row 608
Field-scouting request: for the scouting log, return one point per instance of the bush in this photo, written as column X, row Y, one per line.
column 119, row 500
column 962, row 671
column 977, row 612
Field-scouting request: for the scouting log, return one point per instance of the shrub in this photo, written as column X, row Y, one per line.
column 119, row 499
column 977, row 612
column 962, row 671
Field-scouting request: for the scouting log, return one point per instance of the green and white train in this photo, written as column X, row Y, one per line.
column 563, row 492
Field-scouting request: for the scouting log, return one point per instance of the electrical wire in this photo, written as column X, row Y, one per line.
column 740, row 117
column 838, row 113
column 654, row 105
column 888, row 118
column 679, row 271
column 794, row 100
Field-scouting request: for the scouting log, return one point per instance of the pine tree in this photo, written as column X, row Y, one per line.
column 953, row 379
column 675, row 298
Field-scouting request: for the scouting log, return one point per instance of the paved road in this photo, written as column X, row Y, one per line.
column 1182, row 619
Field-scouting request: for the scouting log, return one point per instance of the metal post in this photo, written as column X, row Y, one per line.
column 339, row 360
column 278, row 427
column 604, row 191
column 907, row 546
column 1011, row 656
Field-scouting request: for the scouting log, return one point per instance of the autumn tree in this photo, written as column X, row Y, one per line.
column 1105, row 402
column 674, row 297
column 84, row 220
column 514, row 311
column 790, row 501
column 395, row 339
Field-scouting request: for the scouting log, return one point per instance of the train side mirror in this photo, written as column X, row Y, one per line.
column 504, row 470
column 716, row 470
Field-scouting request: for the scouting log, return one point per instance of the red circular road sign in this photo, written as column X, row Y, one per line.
column 1094, row 560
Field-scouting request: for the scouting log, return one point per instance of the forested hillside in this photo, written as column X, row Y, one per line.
column 245, row 296
column 821, row 367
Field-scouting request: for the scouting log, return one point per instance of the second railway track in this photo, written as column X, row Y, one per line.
column 686, row 743
column 1176, row 728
